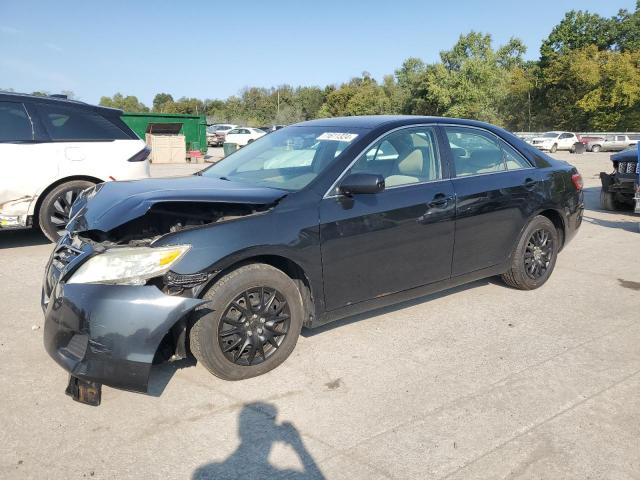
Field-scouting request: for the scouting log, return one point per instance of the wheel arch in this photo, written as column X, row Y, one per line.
column 310, row 295
column 557, row 220
column 40, row 198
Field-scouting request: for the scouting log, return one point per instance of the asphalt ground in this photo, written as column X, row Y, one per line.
column 481, row 381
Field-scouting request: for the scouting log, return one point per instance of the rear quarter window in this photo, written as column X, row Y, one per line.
column 15, row 125
column 67, row 123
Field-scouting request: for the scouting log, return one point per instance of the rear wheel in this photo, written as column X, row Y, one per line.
column 554, row 149
column 54, row 210
column 535, row 256
column 252, row 325
column 595, row 148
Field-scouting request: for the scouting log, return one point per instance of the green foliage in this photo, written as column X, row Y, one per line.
column 129, row 103
column 160, row 101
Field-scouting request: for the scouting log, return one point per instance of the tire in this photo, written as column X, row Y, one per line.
column 608, row 201
column 595, row 148
column 212, row 330
column 53, row 214
column 554, row 149
column 250, row 141
column 519, row 275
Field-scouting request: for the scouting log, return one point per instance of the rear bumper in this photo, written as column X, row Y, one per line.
column 109, row 334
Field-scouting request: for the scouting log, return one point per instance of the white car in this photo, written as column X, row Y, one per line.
column 52, row 149
column 243, row 135
column 553, row 141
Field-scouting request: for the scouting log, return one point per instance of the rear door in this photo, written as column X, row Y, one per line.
column 496, row 191
column 26, row 162
column 400, row 238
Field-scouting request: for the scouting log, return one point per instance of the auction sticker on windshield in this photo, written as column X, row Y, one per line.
column 337, row 136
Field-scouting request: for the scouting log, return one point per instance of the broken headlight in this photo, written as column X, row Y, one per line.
column 128, row 266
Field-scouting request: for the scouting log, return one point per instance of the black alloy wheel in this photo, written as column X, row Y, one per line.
column 538, row 254
column 60, row 209
column 54, row 212
column 253, row 326
column 534, row 257
column 250, row 323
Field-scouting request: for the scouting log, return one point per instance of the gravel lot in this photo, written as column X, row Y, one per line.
column 478, row 382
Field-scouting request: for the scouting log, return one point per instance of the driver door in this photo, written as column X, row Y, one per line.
column 376, row 244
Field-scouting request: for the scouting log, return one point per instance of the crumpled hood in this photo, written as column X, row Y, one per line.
column 112, row 204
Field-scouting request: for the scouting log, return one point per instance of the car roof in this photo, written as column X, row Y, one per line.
column 375, row 121
column 23, row 97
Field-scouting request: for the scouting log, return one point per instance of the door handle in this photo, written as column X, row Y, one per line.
column 530, row 184
column 440, row 200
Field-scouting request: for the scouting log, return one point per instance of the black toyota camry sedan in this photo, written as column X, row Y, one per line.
column 312, row 223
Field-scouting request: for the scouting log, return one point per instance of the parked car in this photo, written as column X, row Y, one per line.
column 553, row 141
column 586, row 140
column 612, row 143
column 244, row 135
column 52, row 149
column 216, row 135
column 231, row 263
column 618, row 187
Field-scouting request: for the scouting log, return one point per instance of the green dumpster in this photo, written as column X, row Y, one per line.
column 193, row 127
column 228, row 148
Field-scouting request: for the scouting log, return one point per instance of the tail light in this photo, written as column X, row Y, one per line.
column 576, row 178
column 141, row 156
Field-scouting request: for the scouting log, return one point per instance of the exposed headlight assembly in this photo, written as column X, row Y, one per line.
column 128, row 265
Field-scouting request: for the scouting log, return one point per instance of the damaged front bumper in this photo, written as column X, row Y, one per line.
column 106, row 334
column 14, row 221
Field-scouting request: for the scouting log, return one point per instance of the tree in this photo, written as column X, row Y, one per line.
column 471, row 80
column 578, row 29
column 627, row 29
column 592, row 89
column 361, row 96
column 129, row 103
column 160, row 102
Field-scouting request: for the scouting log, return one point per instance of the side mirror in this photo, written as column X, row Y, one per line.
column 361, row 183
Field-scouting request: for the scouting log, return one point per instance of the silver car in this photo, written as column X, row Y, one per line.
column 612, row 143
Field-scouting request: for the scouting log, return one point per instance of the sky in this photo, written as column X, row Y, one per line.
column 208, row 49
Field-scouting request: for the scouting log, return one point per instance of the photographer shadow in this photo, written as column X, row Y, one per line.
column 258, row 432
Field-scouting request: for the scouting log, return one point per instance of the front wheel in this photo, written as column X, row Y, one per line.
column 53, row 215
column 535, row 255
column 251, row 324
column 596, row 148
column 554, row 149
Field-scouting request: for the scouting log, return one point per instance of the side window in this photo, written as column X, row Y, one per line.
column 513, row 159
column 621, row 138
column 403, row 157
column 66, row 123
column 474, row 151
column 15, row 125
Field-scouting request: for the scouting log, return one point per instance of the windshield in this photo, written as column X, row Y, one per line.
column 289, row 158
column 550, row 135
